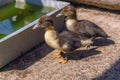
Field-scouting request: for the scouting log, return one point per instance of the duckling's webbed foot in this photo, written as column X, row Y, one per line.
column 63, row 59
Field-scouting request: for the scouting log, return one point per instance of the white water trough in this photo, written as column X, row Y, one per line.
column 22, row 40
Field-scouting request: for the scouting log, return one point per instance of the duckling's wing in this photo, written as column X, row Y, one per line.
column 89, row 29
column 68, row 41
column 65, row 42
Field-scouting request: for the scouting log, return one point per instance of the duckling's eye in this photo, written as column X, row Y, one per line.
column 47, row 20
column 65, row 11
column 71, row 10
column 40, row 21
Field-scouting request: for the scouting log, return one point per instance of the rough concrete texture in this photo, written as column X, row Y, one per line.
column 109, row 4
column 102, row 63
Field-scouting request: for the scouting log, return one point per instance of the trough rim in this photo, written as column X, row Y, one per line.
column 33, row 22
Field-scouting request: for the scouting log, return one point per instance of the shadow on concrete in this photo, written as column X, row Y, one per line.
column 28, row 58
column 37, row 53
column 111, row 74
column 80, row 54
column 103, row 42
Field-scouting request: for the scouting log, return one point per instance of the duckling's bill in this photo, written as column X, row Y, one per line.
column 36, row 26
column 59, row 14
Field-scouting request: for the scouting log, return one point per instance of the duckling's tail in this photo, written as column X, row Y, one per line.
column 101, row 33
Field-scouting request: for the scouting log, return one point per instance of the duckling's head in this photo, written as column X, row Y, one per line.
column 68, row 11
column 44, row 22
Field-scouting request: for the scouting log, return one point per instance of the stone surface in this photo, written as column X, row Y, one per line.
column 102, row 63
column 109, row 4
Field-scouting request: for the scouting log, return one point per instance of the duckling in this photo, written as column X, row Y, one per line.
column 66, row 42
column 85, row 29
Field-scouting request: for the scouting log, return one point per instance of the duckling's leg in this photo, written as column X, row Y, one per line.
column 90, row 42
column 63, row 59
column 57, row 55
column 87, row 43
column 88, row 46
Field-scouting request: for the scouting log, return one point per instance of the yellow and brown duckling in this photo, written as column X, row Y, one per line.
column 85, row 29
column 66, row 42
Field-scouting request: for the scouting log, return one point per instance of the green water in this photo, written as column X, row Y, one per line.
column 13, row 18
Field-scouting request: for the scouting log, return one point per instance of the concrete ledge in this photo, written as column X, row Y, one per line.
column 108, row 4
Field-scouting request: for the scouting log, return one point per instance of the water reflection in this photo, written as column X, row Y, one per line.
column 20, row 4
column 6, row 27
column 16, row 15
